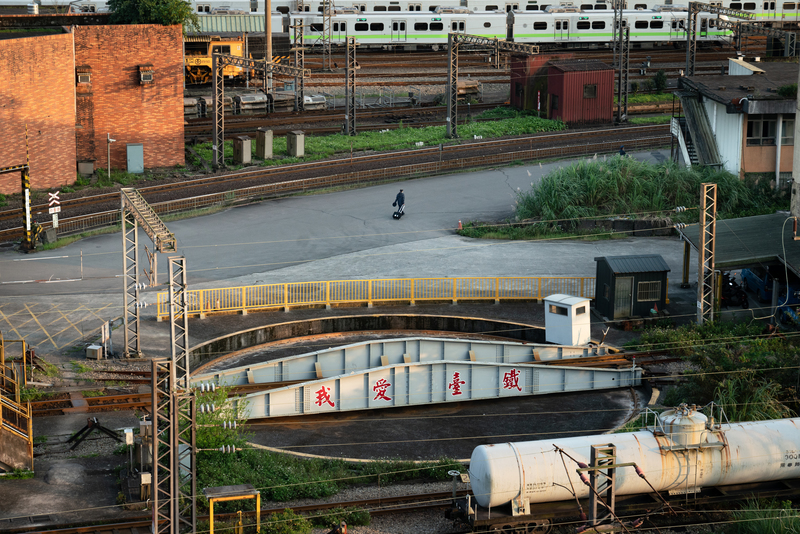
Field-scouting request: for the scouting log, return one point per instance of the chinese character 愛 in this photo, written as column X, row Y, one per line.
column 380, row 388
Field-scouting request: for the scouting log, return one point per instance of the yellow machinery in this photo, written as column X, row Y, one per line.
column 197, row 61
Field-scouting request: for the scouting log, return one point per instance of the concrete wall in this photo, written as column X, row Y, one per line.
column 220, row 347
column 117, row 103
column 37, row 89
column 728, row 132
column 14, row 451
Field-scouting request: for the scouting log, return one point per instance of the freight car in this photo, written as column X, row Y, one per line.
column 683, row 451
column 560, row 27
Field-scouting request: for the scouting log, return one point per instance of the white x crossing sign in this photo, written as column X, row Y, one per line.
column 54, row 200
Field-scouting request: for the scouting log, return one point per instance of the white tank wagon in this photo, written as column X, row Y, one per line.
column 683, row 452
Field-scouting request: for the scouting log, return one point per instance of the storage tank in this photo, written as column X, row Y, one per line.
column 688, row 459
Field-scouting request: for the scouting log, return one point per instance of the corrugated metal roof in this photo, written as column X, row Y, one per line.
column 567, row 300
column 645, row 263
column 573, row 65
column 214, row 24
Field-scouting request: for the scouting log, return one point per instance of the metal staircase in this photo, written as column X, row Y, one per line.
column 146, row 216
column 16, row 423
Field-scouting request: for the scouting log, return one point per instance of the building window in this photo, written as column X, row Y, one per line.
column 787, row 137
column 590, row 91
column 648, row 291
column 761, row 131
column 555, row 101
column 559, row 310
column 606, row 291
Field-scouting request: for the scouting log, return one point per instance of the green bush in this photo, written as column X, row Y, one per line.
column 3, row 201
column 788, row 91
column 334, row 516
column 660, row 81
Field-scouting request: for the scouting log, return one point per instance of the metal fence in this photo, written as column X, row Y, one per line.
column 390, row 290
column 80, row 224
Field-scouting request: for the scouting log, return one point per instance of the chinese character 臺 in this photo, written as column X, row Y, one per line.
column 511, row 380
column 455, row 385
column 380, row 388
column 323, row 396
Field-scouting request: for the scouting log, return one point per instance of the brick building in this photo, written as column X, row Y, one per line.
column 73, row 89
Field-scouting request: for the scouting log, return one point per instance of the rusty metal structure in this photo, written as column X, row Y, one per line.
column 327, row 37
column 622, row 80
column 299, row 50
column 136, row 211
column 253, row 65
column 350, row 88
column 705, row 269
column 16, row 417
column 454, row 41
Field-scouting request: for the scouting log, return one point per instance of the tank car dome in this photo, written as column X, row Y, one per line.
column 684, row 424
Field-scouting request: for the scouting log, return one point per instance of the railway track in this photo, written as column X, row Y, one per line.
column 288, row 179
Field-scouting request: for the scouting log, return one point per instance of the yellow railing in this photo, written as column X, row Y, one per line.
column 245, row 298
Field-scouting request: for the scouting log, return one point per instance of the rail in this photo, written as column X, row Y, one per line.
column 109, row 218
column 201, row 302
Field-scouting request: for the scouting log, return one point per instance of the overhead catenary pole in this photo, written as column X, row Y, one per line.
column 268, row 44
column 705, row 271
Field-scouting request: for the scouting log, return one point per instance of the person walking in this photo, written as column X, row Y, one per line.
column 622, row 150
column 400, row 202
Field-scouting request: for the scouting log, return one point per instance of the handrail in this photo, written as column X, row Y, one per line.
column 200, row 302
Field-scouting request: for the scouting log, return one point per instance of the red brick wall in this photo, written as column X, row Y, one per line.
column 37, row 88
column 120, row 105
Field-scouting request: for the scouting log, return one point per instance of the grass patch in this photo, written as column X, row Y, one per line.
column 509, row 122
column 765, row 517
column 750, row 375
column 92, row 393
column 33, row 394
column 622, row 187
column 651, row 98
column 282, row 477
column 64, row 241
column 654, row 119
column 78, row 367
column 17, row 474
column 49, row 369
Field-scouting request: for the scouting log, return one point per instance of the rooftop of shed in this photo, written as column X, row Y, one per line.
column 644, row 263
column 579, row 65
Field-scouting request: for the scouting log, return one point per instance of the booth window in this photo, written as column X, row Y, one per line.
column 580, row 311
column 559, row 310
column 648, row 291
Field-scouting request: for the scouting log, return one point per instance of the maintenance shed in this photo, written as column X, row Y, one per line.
column 630, row 286
column 580, row 91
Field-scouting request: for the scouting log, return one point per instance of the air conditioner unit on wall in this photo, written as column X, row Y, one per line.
column 146, row 76
column 84, row 78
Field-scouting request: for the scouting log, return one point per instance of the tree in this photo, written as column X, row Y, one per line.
column 660, row 81
column 166, row 12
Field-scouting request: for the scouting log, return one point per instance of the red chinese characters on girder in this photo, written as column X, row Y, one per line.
column 456, row 384
column 380, row 388
column 511, row 380
column 323, row 397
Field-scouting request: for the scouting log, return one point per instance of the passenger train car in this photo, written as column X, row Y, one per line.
column 560, row 27
column 770, row 11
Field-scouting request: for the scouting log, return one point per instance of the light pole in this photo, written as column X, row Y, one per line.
column 108, row 143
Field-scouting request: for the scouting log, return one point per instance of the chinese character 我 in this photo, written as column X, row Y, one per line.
column 323, row 396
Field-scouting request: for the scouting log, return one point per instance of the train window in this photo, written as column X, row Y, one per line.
column 639, row 24
column 394, row 8
column 539, row 25
column 420, row 26
column 437, row 26
column 282, row 9
column 336, row 26
column 316, row 27
column 640, row 6
column 736, row 5
column 221, row 49
column 491, row 8
column 598, row 25
column 307, row 8
column 583, row 25
column 487, row 24
column 749, row 6
column 360, row 26
column 590, row 90
column 320, row 9
column 656, row 24
column 586, row 7
column 600, row 6
column 789, row 7
column 531, row 8
column 376, row 27
column 379, row 8
column 558, row 24
column 458, row 25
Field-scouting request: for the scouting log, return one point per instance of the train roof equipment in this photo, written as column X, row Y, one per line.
column 563, row 9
